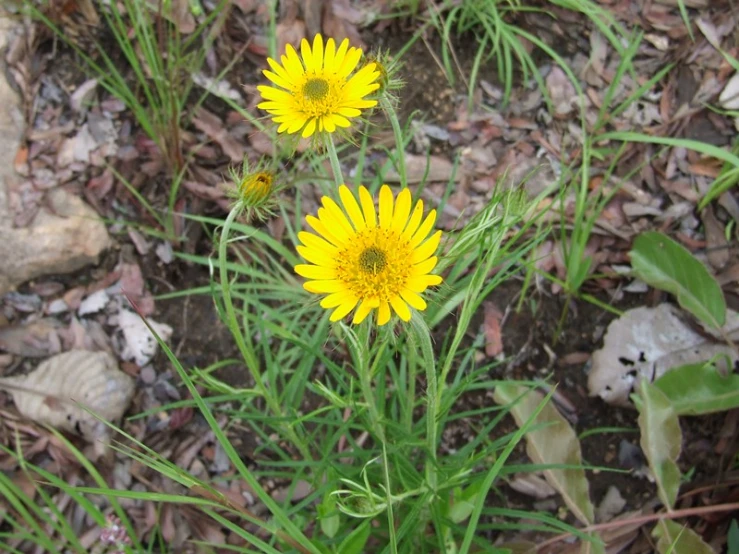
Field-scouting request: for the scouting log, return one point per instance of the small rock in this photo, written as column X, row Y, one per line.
column 63, row 238
column 60, row 240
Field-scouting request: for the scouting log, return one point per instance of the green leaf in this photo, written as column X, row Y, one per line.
column 355, row 541
column 464, row 502
column 732, row 542
column 674, row 538
column 661, row 439
column 697, row 389
column 661, row 262
column 329, row 516
column 553, row 442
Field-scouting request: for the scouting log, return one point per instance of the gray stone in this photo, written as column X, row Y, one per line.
column 64, row 236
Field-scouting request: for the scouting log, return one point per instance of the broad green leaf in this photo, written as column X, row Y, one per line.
column 674, row 538
column 697, row 389
column 553, row 442
column 661, row 439
column 354, row 543
column 661, row 262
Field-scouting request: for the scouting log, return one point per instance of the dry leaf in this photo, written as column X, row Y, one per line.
column 140, row 344
column 57, row 392
column 37, row 339
column 491, row 328
column 552, row 443
column 645, row 343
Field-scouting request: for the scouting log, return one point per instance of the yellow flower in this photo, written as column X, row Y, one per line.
column 318, row 93
column 358, row 258
column 254, row 191
column 256, row 188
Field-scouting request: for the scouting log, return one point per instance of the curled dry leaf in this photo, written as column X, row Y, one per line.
column 57, row 392
column 645, row 343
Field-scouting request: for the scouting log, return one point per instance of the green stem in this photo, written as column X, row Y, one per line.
column 247, row 352
column 386, row 105
column 422, row 336
column 388, row 493
column 334, row 158
column 365, row 382
column 366, row 371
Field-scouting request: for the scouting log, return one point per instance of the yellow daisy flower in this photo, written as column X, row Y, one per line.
column 361, row 260
column 318, row 93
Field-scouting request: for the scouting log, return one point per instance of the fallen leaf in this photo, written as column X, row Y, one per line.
column 561, row 91
column 553, row 443
column 729, row 97
column 491, row 329
column 717, row 247
column 532, row 485
column 212, row 126
column 140, row 344
column 37, row 339
column 57, row 392
column 645, row 343
column 661, row 440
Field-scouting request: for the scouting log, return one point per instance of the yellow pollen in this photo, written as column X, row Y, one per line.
column 315, row 89
column 372, row 260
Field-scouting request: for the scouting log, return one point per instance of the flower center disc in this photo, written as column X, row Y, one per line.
column 315, row 90
column 372, row 260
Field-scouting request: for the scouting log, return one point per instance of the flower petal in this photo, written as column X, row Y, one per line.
column 427, row 249
column 322, row 230
column 368, row 207
column 317, row 257
column 386, row 207
column 424, row 267
column 307, row 55
column 337, row 215
column 362, row 312
column 424, row 229
column 414, row 221
column 316, row 242
column 318, row 53
column 352, row 208
column 413, row 299
column 402, row 210
column 400, row 307
column 309, row 128
column 324, row 287
column 344, row 309
column 383, row 313
column 315, row 272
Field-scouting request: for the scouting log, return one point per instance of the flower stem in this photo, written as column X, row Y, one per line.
column 247, row 351
column 421, row 335
column 365, row 381
column 392, row 116
column 334, row 158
